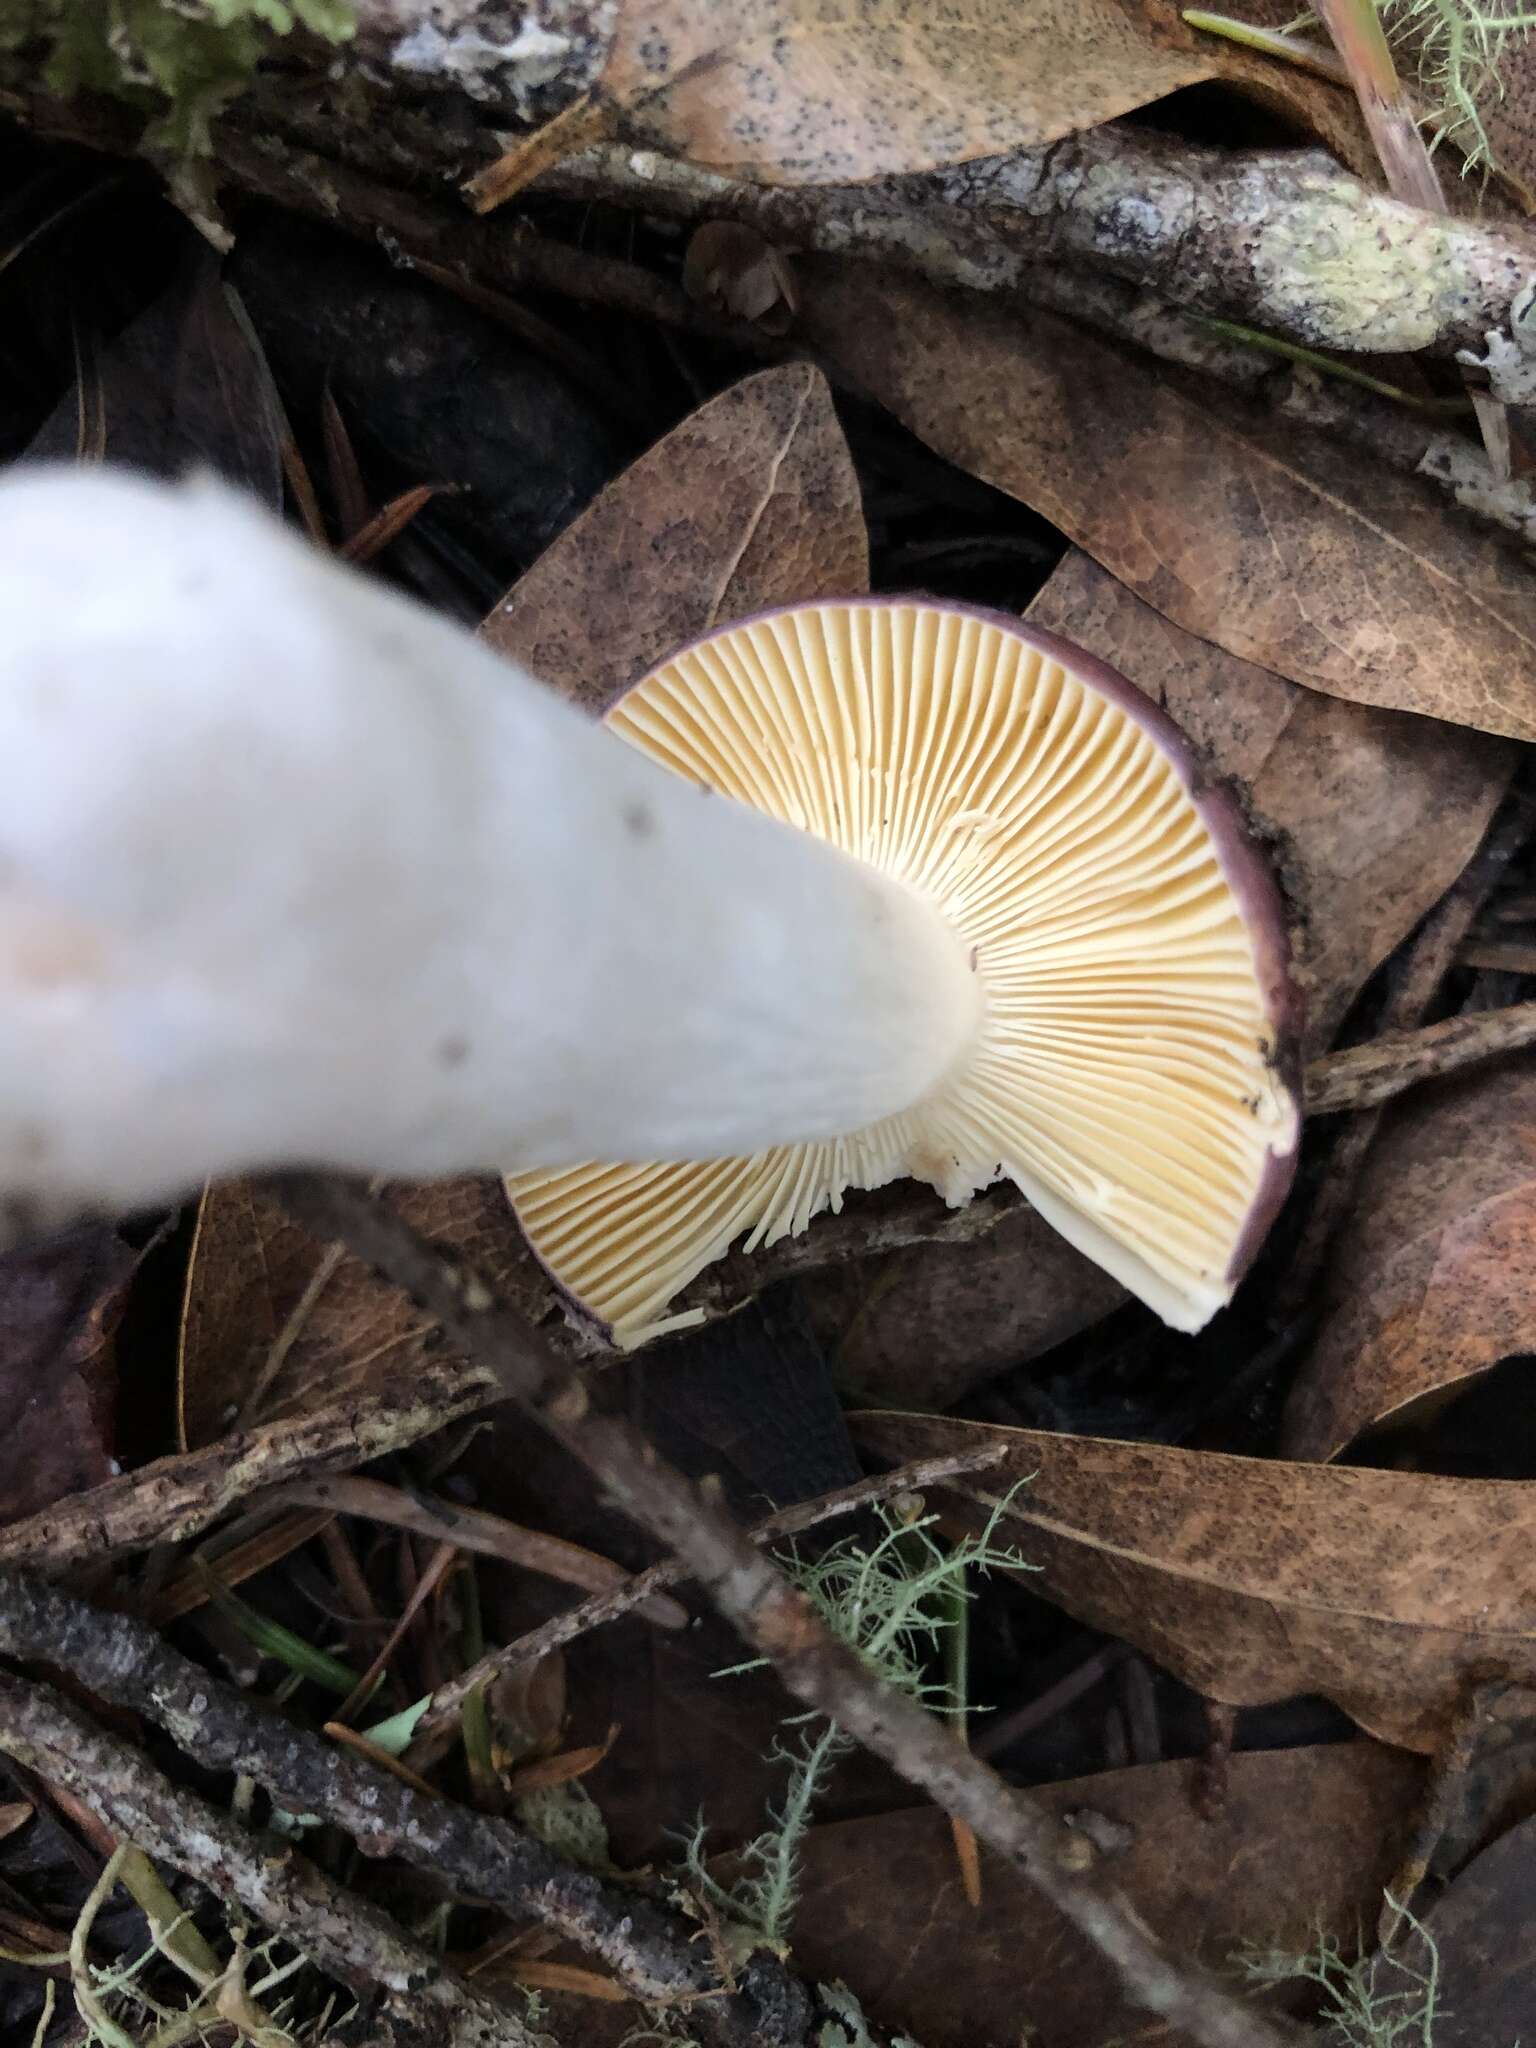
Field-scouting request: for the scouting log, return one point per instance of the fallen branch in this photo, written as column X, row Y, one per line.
column 649, row 1949
column 422, row 2004
column 180, row 1496
column 823, row 1673
column 440, row 1722
column 1366, row 1075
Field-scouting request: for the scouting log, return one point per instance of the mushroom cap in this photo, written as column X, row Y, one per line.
column 1134, row 1069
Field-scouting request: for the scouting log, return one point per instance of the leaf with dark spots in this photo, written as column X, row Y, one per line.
column 60, row 1304
column 1275, row 542
column 818, row 92
column 1255, row 1581
column 1433, row 1283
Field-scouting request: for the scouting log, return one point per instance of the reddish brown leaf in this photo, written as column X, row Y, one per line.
column 1280, row 545
column 1434, row 1282
column 1254, row 1581
column 60, row 1304
column 1301, row 1845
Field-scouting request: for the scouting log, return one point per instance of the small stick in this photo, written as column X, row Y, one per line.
column 340, row 1932
column 438, row 1727
column 824, row 1673
column 473, row 1529
column 1384, row 1067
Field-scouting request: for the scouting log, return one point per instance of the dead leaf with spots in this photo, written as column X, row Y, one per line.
column 1276, row 543
column 1301, row 1844
column 1434, row 1282
column 821, row 92
column 1376, row 812
column 1256, row 1581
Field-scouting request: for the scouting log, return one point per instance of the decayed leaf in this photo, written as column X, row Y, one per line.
column 1278, row 544
column 60, row 1303
column 1254, row 1581
column 1434, row 1282
column 1301, row 1844
column 819, row 92
column 751, row 502
column 1482, row 1939
column 1378, row 812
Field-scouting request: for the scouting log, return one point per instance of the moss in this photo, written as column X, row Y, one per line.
column 180, row 62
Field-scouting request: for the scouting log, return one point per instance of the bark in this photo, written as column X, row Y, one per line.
column 650, row 1949
column 419, row 2003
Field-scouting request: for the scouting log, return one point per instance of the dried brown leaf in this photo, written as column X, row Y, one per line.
column 1301, row 1845
column 1256, row 1581
column 1487, row 1971
column 818, row 92
column 60, row 1304
column 1434, row 1282
column 1376, row 812
column 14, row 1816
column 752, row 501
column 1277, row 543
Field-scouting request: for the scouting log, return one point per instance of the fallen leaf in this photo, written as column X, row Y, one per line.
column 1376, row 812
column 1301, row 1845
column 817, row 92
column 1255, row 1581
column 1481, row 1932
column 14, row 1816
column 183, row 385
column 1278, row 544
column 753, row 501
column 60, row 1303
column 1433, row 1283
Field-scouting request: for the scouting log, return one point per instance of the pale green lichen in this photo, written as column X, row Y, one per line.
column 1456, row 49
column 179, row 61
column 1355, row 282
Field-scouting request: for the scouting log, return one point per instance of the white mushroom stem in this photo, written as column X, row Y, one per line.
column 292, row 871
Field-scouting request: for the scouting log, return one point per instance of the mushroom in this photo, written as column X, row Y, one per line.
column 1130, row 1058
column 294, row 872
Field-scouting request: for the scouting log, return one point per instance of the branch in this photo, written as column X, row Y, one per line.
column 1384, row 1067
column 180, row 1496
column 425, row 2004
column 441, row 1718
column 823, row 1673
column 651, row 1950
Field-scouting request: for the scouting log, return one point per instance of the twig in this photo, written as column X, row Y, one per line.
column 180, row 1496
column 444, row 1521
column 822, row 1672
column 1424, row 965
column 440, row 1723
column 651, row 1950
column 1384, row 1067
column 423, row 2002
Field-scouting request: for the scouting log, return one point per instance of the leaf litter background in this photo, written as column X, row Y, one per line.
column 1334, row 1546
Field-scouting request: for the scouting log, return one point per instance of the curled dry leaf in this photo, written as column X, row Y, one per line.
column 1272, row 541
column 1301, row 1844
column 1433, row 1284
column 1481, row 1931
column 1255, row 1581
column 818, row 92
column 732, row 269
